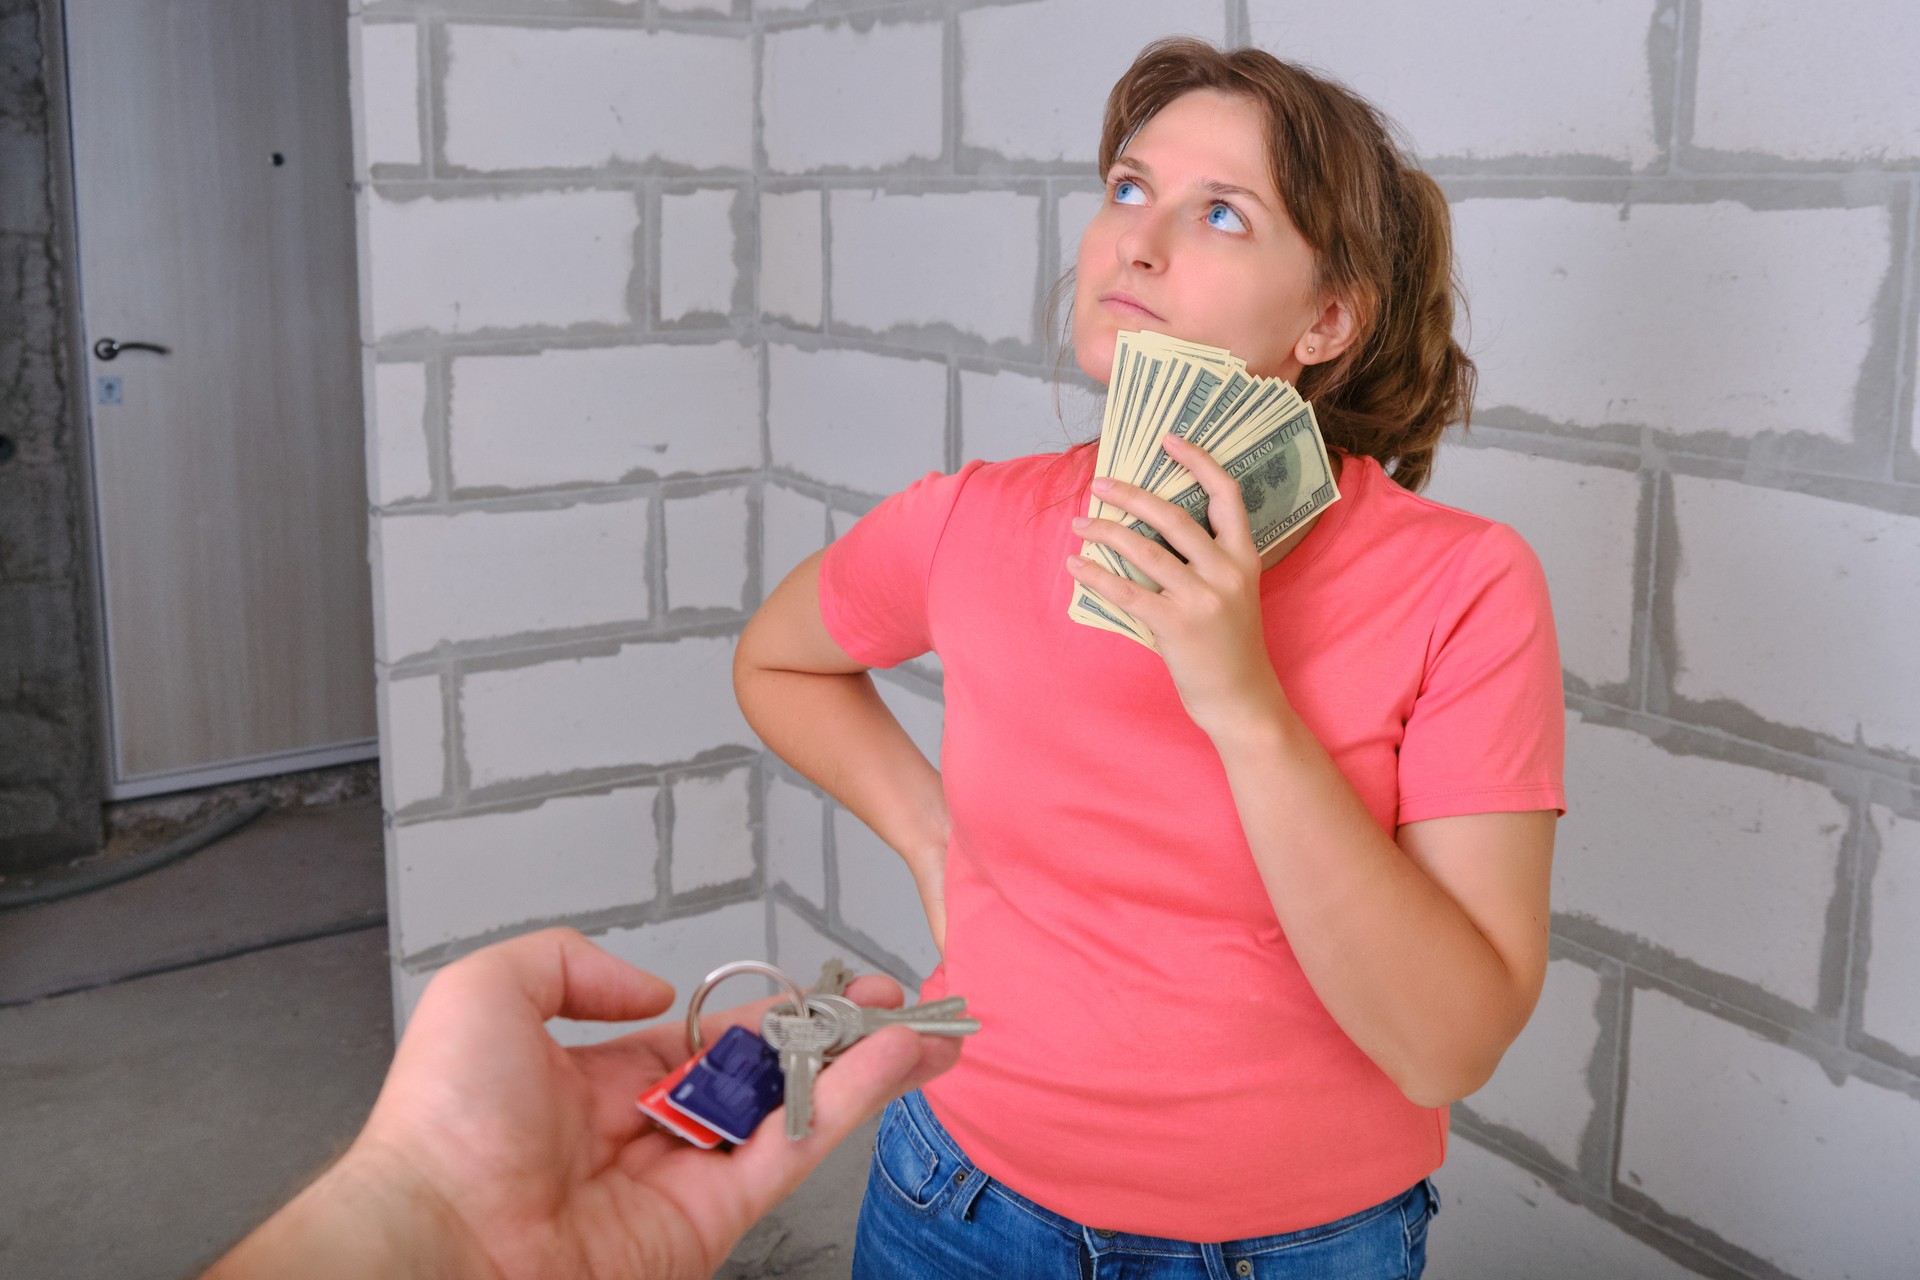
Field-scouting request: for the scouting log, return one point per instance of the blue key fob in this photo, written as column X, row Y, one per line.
column 733, row 1088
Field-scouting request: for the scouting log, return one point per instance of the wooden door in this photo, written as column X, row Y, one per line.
column 213, row 188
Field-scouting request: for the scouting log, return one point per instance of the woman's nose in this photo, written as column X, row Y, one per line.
column 1142, row 245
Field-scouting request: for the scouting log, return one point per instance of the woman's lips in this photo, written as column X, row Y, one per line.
column 1128, row 305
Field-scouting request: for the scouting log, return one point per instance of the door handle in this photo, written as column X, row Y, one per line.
column 107, row 348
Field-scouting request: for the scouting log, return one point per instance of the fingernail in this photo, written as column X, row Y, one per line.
column 1102, row 483
column 1074, row 562
column 1080, row 522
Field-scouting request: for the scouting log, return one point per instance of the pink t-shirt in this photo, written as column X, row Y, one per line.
column 1152, row 1058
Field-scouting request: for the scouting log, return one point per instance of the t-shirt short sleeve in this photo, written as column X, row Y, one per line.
column 874, row 579
column 1487, row 733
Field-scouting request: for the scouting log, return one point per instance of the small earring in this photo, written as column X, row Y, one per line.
column 1309, row 350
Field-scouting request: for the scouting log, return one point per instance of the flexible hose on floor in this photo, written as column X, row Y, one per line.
column 101, row 876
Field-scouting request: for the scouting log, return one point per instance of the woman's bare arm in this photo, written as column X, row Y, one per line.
column 816, row 707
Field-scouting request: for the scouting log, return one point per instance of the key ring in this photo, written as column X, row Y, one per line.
column 797, row 997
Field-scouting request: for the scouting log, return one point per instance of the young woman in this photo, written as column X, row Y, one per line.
column 1241, row 917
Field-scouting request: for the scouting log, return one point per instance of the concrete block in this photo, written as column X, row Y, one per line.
column 684, row 952
column 712, row 830
column 1499, row 1222
column 707, row 550
column 1890, row 1010
column 923, row 718
column 800, row 949
column 877, row 896
column 697, row 269
column 491, row 573
column 970, row 260
column 792, row 270
column 1683, row 317
column 1759, row 1145
column 1541, row 1087
column 792, row 527
column 463, row 877
column 1581, row 522
column 1581, row 68
column 547, row 259
column 1829, row 83
column 560, row 98
column 819, row 86
column 1803, row 609
column 861, row 421
column 1730, row 866
column 652, row 703
column 1072, row 213
column 796, row 848
column 1021, row 99
column 413, row 740
column 1011, row 415
column 402, row 465
column 605, row 414
column 389, row 92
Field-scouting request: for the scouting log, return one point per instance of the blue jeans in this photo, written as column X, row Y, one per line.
column 930, row 1214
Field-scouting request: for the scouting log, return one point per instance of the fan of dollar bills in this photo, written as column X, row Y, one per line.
column 1258, row 429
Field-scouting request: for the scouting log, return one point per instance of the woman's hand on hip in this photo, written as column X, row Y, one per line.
column 1206, row 616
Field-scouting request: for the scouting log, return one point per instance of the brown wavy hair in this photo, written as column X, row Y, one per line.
column 1381, row 235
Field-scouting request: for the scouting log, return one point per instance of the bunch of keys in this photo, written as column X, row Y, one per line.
column 723, row 1092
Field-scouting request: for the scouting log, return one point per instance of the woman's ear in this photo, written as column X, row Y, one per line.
column 1332, row 332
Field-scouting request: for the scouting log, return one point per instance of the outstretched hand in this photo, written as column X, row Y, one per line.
column 1205, row 618
column 516, row 1157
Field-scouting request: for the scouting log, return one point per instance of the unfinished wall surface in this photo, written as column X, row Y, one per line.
column 660, row 297
column 50, row 772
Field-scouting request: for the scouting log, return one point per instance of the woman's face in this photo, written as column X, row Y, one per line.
column 1194, row 242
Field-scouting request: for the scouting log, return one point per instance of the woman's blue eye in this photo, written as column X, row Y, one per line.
column 1223, row 217
column 1125, row 192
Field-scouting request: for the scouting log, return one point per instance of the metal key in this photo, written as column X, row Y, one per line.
column 801, row 1040
column 933, row 1018
column 835, row 977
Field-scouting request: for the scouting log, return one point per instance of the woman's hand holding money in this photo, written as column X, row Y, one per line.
column 1206, row 617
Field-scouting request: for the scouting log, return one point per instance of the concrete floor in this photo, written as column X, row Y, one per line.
column 181, row 1052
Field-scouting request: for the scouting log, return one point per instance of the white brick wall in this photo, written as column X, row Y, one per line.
column 800, row 949
column 401, row 466
column 820, row 84
column 544, row 98
column 461, row 877
column 1756, row 1143
column 1800, row 608
column 1541, row 1087
column 1764, row 62
column 1729, row 866
column 482, row 574
column 546, row 259
column 1010, row 415
column 605, row 414
column 1687, row 318
column 1580, row 68
column 707, row 550
column 1034, row 77
column 697, row 271
column 792, row 527
column 1891, row 1009
column 867, row 422
column 796, row 853
column 792, row 272
column 1582, row 522
column 712, row 838
column 877, row 896
column 390, row 92
column 970, row 260
column 413, row 740
column 1498, row 1222
column 646, row 704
